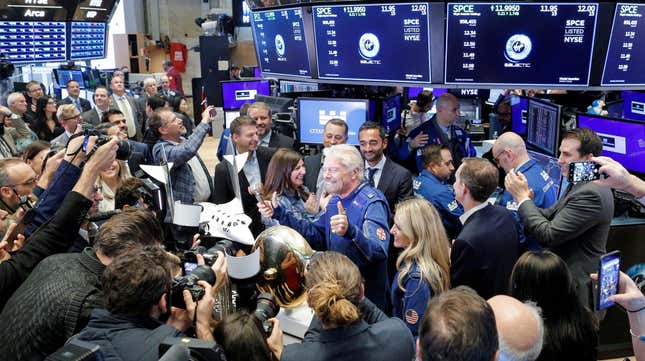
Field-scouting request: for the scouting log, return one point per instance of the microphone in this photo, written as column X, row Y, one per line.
column 256, row 190
column 101, row 216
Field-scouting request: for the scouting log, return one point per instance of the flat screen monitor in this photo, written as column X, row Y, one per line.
column 33, row 41
column 237, row 93
column 520, row 43
column 622, row 139
column 290, row 86
column 391, row 113
column 41, row 10
column 519, row 114
column 543, row 126
column 373, row 42
column 626, row 51
column 94, row 10
column 65, row 75
column 314, row 113
column 87, row 40
column 277, row 104
column 281, row 43
column 634, row 104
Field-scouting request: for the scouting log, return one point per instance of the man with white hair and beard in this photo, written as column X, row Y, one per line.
column 354, row 222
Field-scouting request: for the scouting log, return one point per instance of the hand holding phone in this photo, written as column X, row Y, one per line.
column 608, row 276
column 583, row 172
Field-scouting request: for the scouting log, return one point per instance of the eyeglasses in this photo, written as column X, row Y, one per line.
column 496, row 159
column 28, row 182
column 73, row 117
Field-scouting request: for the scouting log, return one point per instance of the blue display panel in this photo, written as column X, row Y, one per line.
column 546, row 44
column 626, row 52
column 280, row 42
column 32, row 10
column 237, row 93
column 87, row 40
column 373, row 42
column 622, row 139
column 65, row 75
column 519, row 114
column 391, row 113
column 33, row 41
column 94, row 10
column 314, row 113
column 543, row 126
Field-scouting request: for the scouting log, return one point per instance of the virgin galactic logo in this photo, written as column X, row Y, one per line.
column 518, row 48
column 279, row 45
column 368, row 46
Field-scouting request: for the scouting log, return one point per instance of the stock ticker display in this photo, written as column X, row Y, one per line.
column 33, row 41
column 87, row 40
column 520, row 43
column 626, row 52
column 374, row 42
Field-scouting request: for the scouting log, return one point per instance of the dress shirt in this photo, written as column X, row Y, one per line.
column 378, row 170
column 126, row 109
column 252, row 170
column 464, row 217
column 264, row 142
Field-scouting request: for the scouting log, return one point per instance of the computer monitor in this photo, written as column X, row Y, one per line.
column 519, row 114
column 277, row 104
column 87, row 40
column 290, row 86
column 633, row 104
column 33, row 41
column 626, row 52
column 622, row 139
column 543, row 126
column 236, row 93
column 65, row 75
column 314, row 113
column 499, row 43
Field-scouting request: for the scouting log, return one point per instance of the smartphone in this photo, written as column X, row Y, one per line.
column 583, row 172
column 189, row 262
column 608, row 276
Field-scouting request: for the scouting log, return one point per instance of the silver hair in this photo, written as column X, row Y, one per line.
column 507, row 353
column 350, row 157
column 13, row 97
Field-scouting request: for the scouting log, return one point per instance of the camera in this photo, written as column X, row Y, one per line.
column 189, row 258
column 189, row 282
column 267, row 308
column 122, row 152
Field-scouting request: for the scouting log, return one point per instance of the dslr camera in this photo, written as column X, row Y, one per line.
column 189, row 282
column 267, row 308
column 189, row 258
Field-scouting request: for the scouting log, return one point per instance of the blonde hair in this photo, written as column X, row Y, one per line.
column 66, row 111
column 419, row 221
column 333, row 284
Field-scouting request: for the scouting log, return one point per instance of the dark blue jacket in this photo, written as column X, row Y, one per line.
column 442, row 197
column 410, row 305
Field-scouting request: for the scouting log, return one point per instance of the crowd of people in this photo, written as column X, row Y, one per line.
column 415, row 256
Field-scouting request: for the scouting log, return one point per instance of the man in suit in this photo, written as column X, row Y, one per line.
column 73, row 97
column 139, row 152
column 127, row 105
column 166, row 90
column 576, row 227
column 335, row 133
column 261, row 113
column 245, row 139
column 484, row 252
column 101, row 97
column 69, row 118
column 149, row 89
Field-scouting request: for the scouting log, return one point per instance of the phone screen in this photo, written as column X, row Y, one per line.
column 189, row 267
column 608, row 277
column 583, row 172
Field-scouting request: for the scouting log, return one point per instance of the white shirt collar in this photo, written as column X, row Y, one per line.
column 379, row 165
column 464, row 217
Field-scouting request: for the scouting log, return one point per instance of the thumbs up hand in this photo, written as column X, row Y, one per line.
column 339, row 222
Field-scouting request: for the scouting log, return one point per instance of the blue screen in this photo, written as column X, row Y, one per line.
column 391, row 113
column 314, row 113
column 373, row 42
column 66, row 75
column 513, row 43
column 280, row 42
column 33, row 41
column 543, row 126
column 519, row 114
column 237, row 93
column 626, row 52
column 87, row 40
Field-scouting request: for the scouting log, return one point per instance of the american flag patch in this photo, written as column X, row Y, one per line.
column 411, row 317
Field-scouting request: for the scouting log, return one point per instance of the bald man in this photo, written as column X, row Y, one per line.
column 520, row 329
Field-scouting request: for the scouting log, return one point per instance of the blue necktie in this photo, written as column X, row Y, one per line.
column 370, row 176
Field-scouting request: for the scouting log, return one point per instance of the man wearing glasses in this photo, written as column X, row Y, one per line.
column 17, row 181
column 69, row 118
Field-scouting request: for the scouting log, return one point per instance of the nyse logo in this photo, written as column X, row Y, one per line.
column 324, row 116
column 245, row 94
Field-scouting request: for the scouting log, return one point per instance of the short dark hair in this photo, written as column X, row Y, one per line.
column 129, row 192
column 156, row 121
column 239, row 122
column 480, row 176
column 130, row 229
column 135, row 282
column 432, row 154
column 155, row 102
column 340, row 123
column 458, row 325
column 424, row 99
column 105, row 118
column 103, row 127
column 71, row 80
column 240, row 337
column 373, row 125
column 590, row 143
column 32, row 150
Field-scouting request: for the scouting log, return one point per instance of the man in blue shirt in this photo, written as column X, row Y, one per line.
column 432, row 184
column 354, row 221
column 440, row 129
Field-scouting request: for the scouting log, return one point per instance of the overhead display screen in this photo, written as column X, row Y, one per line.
column 626, row 52
column 33, row 41
column 546, row 44
column 280, row 42
column 94, row 10
column 373, row 42
column 87, row 40
column 36, row 9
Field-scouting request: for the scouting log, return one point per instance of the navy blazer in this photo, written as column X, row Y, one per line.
column 395, row 183
column 485, row 252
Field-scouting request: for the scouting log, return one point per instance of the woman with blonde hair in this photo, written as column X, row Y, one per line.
column 424, row 265
column 109, row 181
column 346, row 326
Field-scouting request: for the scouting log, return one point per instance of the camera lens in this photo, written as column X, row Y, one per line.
column 267, row 307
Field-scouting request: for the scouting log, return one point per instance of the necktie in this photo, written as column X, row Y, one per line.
column 77, row 102
column 123, row 105
column 370, row 176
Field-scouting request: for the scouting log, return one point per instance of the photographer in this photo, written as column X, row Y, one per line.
column 240, row 335
column 137, row 291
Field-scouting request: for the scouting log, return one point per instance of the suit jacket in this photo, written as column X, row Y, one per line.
column 60, row 141
column 395, row 183
column 91, row 117
column 279, row 140
column 483, row 255
column 575, row 228
column 85, row 104
column 313, row 163
column 138, row 115
column 224, row 188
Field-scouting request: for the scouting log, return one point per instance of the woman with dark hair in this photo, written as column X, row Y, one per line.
column 285, row 177
column 46, row 125
column 180, row 107
column 346, row 326
column 241, row 339
column 570, row 328
column 35, row 154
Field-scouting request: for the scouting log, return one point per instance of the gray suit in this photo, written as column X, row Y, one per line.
column 575, row 228
column 60, row 141
column 91, row 117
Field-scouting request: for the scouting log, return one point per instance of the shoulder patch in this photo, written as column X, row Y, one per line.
column 453, row 205
column 411, row 316
column 416, row 184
